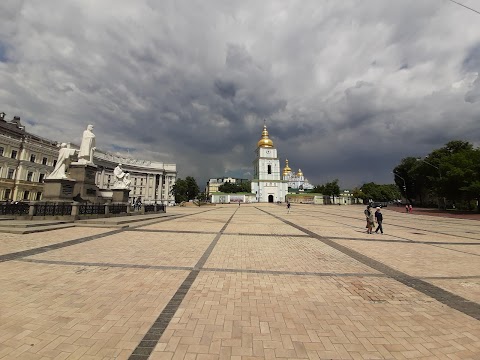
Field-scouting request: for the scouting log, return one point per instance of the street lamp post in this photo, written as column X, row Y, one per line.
column 404, row 184
column 440, row 177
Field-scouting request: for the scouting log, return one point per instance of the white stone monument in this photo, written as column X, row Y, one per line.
column 122, row 178
column 87, row 147
column 63, row 162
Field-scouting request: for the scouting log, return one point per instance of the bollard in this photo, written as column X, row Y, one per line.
column 31, row 209
column 75, row 209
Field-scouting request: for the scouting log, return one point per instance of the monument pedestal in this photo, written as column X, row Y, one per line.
column 58, row 189
column 120, row 195
column 85, row 187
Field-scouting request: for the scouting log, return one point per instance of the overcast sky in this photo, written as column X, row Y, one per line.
column 348, row 88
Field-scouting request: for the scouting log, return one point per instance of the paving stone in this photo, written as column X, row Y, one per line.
column 249, row 282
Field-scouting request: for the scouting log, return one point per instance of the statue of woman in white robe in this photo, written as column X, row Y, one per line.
column 63, row 161
column 87, row 147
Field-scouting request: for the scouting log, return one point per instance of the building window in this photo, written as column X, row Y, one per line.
column 269, row 169
column 44, row 161
column 14, row 154
column 29, row 176
column 54, row 163
column 26, row 194
column 7, row 193
column 32, row 158
column 1, row 151
column 38, row 196
column 10, row 173
column 40, row 178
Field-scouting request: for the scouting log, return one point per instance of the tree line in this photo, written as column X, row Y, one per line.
column 447, row 177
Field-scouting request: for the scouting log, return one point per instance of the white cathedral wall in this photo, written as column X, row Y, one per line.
column 264, row 189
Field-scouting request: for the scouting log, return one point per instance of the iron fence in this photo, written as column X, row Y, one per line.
column 149, row 208
column 117, row 208
column 91, row 209
column 52, row 209
column 14, row 209
column 154, row 208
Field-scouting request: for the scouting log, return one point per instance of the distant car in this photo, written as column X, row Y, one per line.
column 379, row 204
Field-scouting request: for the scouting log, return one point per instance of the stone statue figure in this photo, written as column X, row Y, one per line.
column 63, row 162
column 122, row 179
column 87, row 147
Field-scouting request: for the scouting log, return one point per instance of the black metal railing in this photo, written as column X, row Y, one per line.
column 66, row 209
column 91, row 209
column 154, row 208
column 14, row 209
column 149, row 208
column 52, row 209
column 117, row 208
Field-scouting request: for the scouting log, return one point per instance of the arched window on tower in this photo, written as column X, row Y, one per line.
column 269, row 169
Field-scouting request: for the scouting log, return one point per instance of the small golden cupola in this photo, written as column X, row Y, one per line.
column 299, row 173
column 286, row 169
column 265, row 141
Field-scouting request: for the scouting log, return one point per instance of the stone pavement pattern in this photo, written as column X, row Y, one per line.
column 248, row 282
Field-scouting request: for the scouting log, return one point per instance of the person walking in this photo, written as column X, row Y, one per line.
column 410, row 208
column 288, row 208
column 379, row 219
column 369, row 218
column 406, row 208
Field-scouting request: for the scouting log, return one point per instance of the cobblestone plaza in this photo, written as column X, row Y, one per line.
column 245, row 282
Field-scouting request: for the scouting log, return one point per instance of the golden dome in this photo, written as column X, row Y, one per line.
column 299, row 173
column 286, row 169
column 265, row 141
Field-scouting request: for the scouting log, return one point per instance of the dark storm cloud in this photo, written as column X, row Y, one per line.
column 347, row 88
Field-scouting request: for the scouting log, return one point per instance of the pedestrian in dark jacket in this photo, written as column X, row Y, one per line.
column 379, row 219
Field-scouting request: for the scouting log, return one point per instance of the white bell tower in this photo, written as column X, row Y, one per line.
column 267, row 183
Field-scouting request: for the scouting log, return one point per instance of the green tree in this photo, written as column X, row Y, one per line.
column 390, row 192
column 380, row 192
column 460, row 176
column 235, row 188
column 192, row 188
column 179, row 190
column 359, row 194
column 245, row 186
column 406, row 177
column 449, row 173
column 185, row 190
column 332, row 189
column 228, row 188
